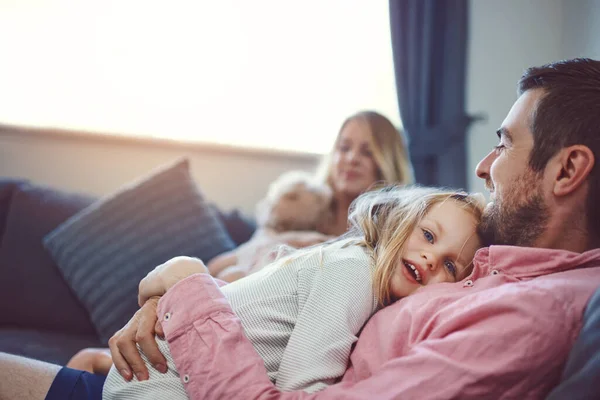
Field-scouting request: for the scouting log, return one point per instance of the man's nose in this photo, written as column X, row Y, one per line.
column 483, row 168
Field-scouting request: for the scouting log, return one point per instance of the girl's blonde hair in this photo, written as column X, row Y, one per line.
column 388, row 146
column 382, row 220
column 385, row 218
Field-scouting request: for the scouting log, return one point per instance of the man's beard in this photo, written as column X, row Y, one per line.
column 515, row 222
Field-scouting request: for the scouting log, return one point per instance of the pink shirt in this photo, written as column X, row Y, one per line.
column 503, row 332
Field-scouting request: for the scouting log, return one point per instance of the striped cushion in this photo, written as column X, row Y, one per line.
column 106, row 249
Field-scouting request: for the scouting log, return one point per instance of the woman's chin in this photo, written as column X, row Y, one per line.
column 351, row 189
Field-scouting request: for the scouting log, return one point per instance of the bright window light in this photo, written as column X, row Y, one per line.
column 264, row 73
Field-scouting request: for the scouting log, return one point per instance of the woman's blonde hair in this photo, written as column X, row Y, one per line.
column 388, row 146
column 385, row 218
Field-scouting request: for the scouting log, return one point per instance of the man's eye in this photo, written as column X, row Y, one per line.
column 450, row 267
column 428, row 235
column 499, row 148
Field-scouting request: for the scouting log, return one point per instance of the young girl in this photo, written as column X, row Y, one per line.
column 303, row 313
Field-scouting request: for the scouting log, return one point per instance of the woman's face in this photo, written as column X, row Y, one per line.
column 354, row 169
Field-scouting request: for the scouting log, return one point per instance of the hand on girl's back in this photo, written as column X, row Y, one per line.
column 140, row 330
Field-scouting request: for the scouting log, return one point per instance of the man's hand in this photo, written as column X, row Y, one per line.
column 144, row 325
column 163, row 277
column 140, row 330
column 93, row 360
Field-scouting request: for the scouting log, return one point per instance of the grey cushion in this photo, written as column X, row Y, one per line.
column 106, row 249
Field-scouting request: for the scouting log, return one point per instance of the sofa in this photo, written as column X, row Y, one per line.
column 41, row 315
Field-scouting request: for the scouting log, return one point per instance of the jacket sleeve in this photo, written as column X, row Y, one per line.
column 474, row 354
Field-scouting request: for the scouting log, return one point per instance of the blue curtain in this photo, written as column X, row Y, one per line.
column 429, row 40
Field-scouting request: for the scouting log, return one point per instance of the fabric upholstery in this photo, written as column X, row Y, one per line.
column 105, row 250
column 33, row 293
column 7, row 187
column 239, row 227
column 52, row 347
column 581, row 377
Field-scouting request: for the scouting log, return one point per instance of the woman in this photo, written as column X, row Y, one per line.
column 367, row 150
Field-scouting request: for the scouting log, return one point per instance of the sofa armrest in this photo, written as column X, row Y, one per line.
column 33, row 292
column 7, row 188
column 582, row 371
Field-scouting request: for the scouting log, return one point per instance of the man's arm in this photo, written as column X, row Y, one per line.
column 504, row 347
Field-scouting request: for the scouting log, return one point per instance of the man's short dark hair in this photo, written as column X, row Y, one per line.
column 567, row 114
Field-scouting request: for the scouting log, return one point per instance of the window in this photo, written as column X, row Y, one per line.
column 262, row 73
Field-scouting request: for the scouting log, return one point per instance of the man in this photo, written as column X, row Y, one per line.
column 505, row 332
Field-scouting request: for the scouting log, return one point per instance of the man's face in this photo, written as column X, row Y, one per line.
column 517, row 214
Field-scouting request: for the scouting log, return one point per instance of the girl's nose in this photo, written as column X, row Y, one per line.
column 431, row 259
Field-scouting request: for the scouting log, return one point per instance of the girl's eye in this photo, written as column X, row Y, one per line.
column 450, row 267
column 366, row 152
column 428, row 235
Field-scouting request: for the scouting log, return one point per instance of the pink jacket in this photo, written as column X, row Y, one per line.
column 503, row 332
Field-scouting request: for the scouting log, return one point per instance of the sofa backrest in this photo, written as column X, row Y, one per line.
column 7, row 187
column 581, row 376
column 33, row 293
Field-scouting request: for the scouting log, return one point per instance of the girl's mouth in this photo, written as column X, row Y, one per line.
column 413, row 271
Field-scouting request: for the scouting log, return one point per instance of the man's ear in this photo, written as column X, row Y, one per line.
column 574, row 164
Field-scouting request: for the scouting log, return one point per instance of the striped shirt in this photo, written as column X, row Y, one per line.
column 302, row 315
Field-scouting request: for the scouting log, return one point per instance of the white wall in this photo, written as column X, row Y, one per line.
column 508, row 36
column 231, row 178
column 582, row 29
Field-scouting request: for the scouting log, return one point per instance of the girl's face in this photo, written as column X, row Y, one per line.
column 354, row 169
column 439, row 249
